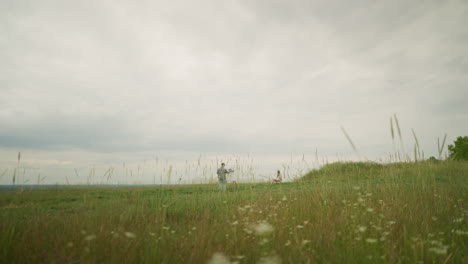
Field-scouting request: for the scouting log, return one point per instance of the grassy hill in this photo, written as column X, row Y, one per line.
column 344, row 212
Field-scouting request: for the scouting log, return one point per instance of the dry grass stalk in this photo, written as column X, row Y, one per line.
column 350, row 141
column 14, row 176
column 3, row 173
column 417, row 149
column 404, row 155
column 440, row 148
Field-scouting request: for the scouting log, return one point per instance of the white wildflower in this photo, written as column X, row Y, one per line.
column 248, row 231
column 442, row 250
column 371, row 240
column 130, row 235
column 460, row 232
column 263, row 229
column 362, row 229
column 90, row 237
column 269, row 260
column 219, row 258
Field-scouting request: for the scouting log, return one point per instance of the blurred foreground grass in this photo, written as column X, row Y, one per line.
column 342, row 213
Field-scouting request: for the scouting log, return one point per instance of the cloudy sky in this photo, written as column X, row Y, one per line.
column 104, row 82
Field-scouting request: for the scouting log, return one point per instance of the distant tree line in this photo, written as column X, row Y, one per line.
column 459, row 150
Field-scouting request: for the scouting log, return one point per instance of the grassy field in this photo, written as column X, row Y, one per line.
column 342, row 213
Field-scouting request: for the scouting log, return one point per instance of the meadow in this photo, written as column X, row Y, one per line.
column 361, row 212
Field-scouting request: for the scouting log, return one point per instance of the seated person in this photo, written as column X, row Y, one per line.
column 278, row 178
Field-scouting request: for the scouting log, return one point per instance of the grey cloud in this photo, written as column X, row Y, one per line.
column 266, row 76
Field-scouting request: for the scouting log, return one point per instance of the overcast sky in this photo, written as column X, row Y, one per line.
column 115, row 80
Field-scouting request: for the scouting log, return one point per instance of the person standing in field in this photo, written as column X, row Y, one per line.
column 222, row 177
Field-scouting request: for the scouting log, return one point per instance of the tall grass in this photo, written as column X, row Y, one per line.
column 341, row 213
